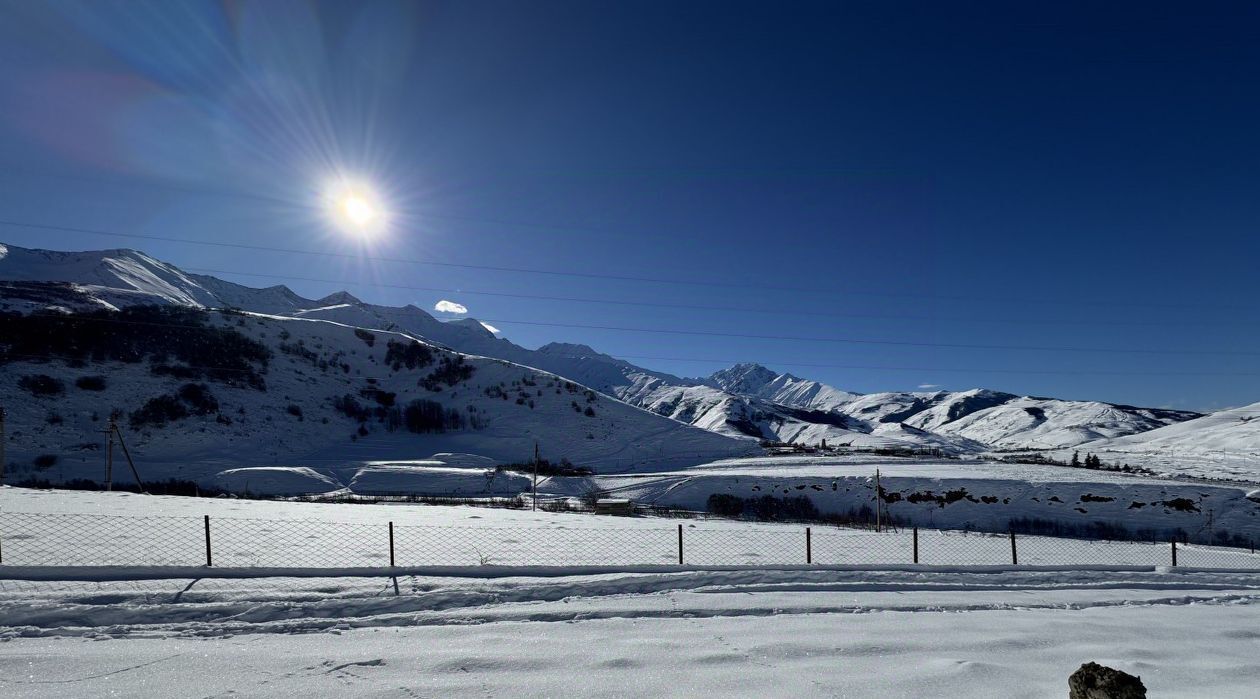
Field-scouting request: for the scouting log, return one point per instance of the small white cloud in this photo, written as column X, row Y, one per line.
column 929, row 386
column 445, row 306
column 489, row 327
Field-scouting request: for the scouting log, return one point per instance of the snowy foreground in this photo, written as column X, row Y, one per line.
column 878, row 628
column 768, row 632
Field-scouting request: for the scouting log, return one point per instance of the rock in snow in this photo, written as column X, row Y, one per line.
column 1094, row 681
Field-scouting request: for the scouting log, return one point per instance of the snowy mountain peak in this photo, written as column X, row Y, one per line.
column 567, row 349
column 473, row 325
column 743, row 378
column 339, row 298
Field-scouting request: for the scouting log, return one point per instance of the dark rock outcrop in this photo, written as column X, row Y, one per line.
column 1094, row 681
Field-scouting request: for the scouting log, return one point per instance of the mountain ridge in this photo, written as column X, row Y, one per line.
column 745, row 400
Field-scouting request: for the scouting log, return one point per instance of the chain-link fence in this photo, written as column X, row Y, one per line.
column 39, row 539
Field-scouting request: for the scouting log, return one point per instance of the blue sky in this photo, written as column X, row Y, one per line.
column 1079, row 175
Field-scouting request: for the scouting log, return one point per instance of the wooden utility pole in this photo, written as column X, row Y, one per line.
column 134, row 473
column 535, row 476
column 110, row 434
column 1, row 445
column 878, row 502
column 109, row 456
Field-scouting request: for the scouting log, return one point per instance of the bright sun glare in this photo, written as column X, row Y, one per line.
column 356, row 209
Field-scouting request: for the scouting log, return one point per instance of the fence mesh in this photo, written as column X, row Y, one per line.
column 40, row 539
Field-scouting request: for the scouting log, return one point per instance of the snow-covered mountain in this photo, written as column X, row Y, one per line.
column 746, row 400
column 784, row 389
column 199, row 392
column 1222, row 445
column 1044, row 423
column 1236, row 429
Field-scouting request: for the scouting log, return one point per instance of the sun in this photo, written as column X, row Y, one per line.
column 355, row 208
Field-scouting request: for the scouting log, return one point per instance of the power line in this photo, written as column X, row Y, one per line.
column 875, row 367
column 564, row 273
column 787, row 338
column 725, row 362
column 700, row 307
column 865, row 341
column 76, row 318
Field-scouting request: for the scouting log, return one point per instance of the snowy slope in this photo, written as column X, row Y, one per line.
column 117, row 277
column 1237, row 429
column 1042, row 423
column 961, row 422
column 741, row 415
column 504, row 409
column 1225, row 444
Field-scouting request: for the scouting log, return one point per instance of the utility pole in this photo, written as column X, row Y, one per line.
column 109, row 456
column 878, row 502
column 110, row 433
column 1, row 445
column 535, row 476
column 134, row 473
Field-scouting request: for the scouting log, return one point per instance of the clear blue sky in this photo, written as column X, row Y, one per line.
column 1053, row 175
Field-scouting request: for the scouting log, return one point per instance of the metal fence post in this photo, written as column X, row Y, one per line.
column 391, row 544
column 208, row 560
column 1014, row 555
column 916, row 544
column 1174, row 552
column 809, row 551
column 680, row 558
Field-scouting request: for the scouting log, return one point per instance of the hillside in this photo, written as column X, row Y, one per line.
column 199, row 392
column 1225, row 444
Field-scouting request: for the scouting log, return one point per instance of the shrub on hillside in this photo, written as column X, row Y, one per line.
column 547, row 468
column 199, row 398
column 409, row 354
column 351, row 408
column 385, row 399
column 41, row 385
column 766, row 507
column 450, row 371
column 423, row 416
column 159, row 411
column 165, row 333
column 90, row 383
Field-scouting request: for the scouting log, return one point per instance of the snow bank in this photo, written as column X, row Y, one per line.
column 275, row 480
column 436, row 478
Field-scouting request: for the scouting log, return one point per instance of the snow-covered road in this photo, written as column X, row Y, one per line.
column 752, row 632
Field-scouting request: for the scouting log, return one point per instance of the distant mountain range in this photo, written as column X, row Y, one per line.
column 744, row 402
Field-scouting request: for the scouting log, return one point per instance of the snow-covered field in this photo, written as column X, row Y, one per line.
column 735, row 620
column 690, row 633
